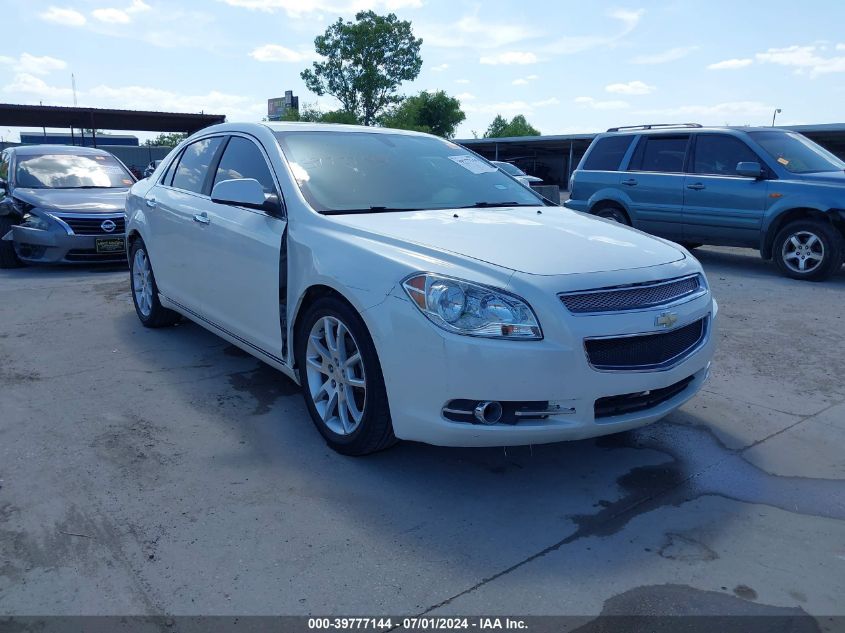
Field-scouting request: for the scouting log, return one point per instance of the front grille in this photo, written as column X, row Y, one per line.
column 633, row 297
column 93, row 226
column 91, row 255
column 645, row 351
column 632, row 402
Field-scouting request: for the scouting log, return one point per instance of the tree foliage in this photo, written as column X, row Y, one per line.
column 432, row 112
column 517, row 126
column 166, row 139
column 364, row 62
column 310, row 113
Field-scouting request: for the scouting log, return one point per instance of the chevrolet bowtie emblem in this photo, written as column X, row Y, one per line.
column 667, row 319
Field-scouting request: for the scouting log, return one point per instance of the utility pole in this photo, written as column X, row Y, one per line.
column 774, row 116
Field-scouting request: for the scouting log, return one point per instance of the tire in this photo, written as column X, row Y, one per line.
column 8, row 257
column 613, row 213
column 808, row 249
column 147, row 305
column 354, row 419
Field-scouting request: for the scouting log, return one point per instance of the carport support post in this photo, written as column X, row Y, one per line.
column 569, row 166
column 72, row 137
column 93, row 130
column 497, row 151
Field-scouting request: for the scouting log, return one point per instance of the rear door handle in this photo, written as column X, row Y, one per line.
column 697, row 186
column 151, row 202
column 630, row 182
column 202, row 218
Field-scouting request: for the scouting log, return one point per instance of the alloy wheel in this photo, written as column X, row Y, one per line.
column 142, row 282
column 803, row 252
column 335, row 375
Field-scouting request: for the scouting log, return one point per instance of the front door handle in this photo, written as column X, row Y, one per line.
column 630, row 182
column 697, row 186
column 202, row 218
column 151, row 202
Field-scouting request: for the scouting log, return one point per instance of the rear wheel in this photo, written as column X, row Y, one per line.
column 145, row 291
column 808, row 249
column 613, row 213
column 8, row 257
column 342, row 380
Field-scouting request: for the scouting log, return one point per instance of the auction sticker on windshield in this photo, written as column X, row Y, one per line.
column 473, row 164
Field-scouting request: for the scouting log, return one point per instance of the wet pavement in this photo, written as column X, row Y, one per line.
column 148, row 472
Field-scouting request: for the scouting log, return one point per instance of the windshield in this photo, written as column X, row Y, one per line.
column 797, row 153
column 359, row 172
column 71, row 171
column 508, row 168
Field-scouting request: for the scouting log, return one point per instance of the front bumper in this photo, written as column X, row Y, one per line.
column 431, row 368
column 56, row 246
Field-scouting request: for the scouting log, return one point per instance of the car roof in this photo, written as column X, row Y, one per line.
column 34, row 150
column 684, row 130
column 274, row 126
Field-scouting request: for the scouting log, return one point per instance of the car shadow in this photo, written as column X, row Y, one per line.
column 748, row 263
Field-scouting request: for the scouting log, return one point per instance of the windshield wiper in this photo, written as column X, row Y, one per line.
column 373, row 209
column 487, row 205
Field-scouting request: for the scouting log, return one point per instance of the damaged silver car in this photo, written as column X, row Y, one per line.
column 61, row 204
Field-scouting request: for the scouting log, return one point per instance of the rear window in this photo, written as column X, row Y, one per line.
column 660, row 154
column 607, row 153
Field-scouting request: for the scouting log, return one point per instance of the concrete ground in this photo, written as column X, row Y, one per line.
column 148, row 472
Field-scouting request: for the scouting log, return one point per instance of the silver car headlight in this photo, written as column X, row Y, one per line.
column 467, row 308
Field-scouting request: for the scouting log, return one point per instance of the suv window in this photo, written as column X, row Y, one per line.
column 718, row 154
column 660, row 153
column 607, row 153
column 193, row 165
column 243, row 159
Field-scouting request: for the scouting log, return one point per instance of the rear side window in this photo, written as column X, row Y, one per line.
column 193, row 166
column 718, row 154
column 243, row 159
column 607, row 153
column 660, row 153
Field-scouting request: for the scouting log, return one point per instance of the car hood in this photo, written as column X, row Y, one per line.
column 826, row 177
column 74, row 200
column 534, row 240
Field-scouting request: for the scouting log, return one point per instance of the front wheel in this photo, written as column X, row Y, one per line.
column 145, row 291
column 613, row 213
column 808, row 249
column 342, row 380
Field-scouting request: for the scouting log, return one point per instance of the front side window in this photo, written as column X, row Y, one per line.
column 719, row 154
column 360, row 172
column 796, row 153
column 660, row 154
column 193, row 166
column 243, row 159
column 71, row 171
column 607, row 153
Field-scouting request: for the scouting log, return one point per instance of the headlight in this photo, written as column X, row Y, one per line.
column 467, row 308
column 35, row 222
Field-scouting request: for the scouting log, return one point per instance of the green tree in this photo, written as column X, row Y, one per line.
column 364, row 63
column 432, row 112
column 517, row 126
column 310, row 113
column 166, row 139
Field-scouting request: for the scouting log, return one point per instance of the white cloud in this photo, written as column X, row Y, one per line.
column 27, row 63
column 111, row 15
column 67, row 17
column 440, row 68
column 731, row 64
column 596, row 104
column 546, row 102
column 570, row 44
column 37, row 89
column 472, row 32
column 462, row 81
column 664, row 57
column 511, row 107
column 277, row 53
column 519, row 82
column 510, row 57
column 730, row 112
column 630, row 88
column 465, row 96
column 810, row 59
column 298, row 8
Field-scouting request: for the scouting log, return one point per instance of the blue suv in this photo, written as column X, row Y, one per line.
column 764, row 188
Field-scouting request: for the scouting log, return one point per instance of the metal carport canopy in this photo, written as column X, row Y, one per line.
column 93, row 118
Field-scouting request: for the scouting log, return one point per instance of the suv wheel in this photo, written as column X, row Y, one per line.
column 342, row 380
column 808, row 249
column 613, row 213
column 145, row 291
column 8, row 257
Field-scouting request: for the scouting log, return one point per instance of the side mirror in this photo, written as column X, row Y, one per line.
column 246, row 192
column 749, row 169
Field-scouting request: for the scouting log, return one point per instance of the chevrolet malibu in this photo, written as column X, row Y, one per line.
column 413, row 290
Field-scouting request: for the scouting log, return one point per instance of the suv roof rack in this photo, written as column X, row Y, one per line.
column 651, row 126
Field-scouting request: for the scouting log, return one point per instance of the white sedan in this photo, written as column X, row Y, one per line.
column 415, row 291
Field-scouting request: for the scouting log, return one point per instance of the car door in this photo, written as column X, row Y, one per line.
column 173, row 205
column 654, row 183
column 238, row 253
column 720, row 206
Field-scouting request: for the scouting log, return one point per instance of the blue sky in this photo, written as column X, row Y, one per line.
column 568, row 66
